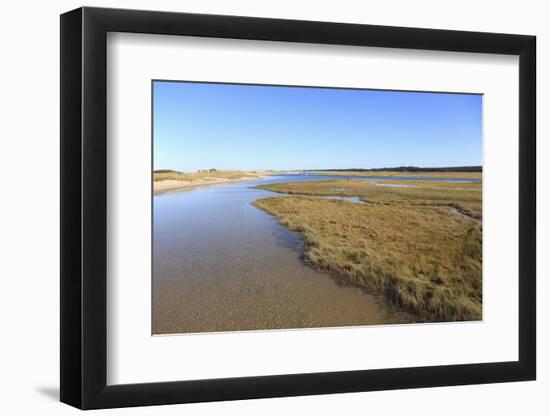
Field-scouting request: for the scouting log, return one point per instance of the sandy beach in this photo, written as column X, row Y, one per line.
column 172, row 181
column 160, row 187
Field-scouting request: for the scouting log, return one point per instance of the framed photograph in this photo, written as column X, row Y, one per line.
column 258, row 208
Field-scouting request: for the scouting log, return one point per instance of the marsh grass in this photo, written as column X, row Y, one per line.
column 422, row 259
column 466, row 199
column 405, row 243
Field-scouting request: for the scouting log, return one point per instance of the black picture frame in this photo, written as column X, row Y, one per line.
column 84, row 207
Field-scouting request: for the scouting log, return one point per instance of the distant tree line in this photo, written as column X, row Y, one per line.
column 164, row 171
column 412, row 169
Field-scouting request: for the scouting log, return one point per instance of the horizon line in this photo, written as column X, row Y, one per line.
column 477, row 168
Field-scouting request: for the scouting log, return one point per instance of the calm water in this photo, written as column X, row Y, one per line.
column 221, row 264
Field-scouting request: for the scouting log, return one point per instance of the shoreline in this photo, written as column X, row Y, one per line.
column 166, row 186
column 163, row 186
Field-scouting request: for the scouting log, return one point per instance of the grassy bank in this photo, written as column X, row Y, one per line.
column 407, row 243
column 423, row 259
column 464, row 197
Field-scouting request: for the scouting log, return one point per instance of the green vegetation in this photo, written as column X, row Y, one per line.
column 406, row 243
column 166, row 171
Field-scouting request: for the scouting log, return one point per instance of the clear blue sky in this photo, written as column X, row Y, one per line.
column 198, row 126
